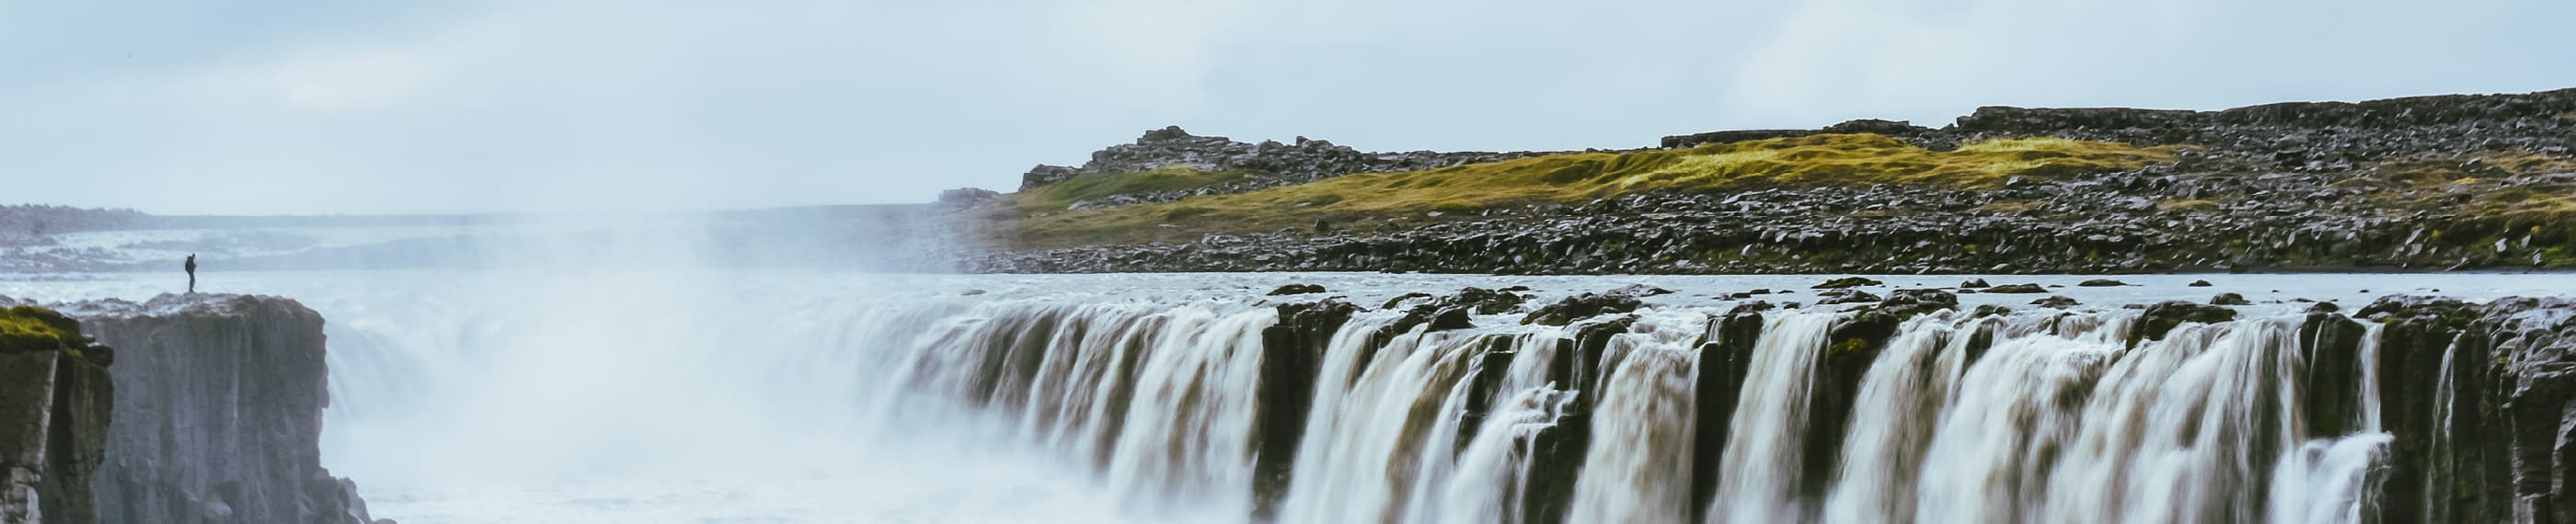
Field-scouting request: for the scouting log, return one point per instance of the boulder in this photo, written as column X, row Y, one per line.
column 2017, row 288
column 1846, row 282
column 1578, row 307
column 1297, row 289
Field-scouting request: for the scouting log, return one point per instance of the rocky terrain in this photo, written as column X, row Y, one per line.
column 2413, row 184
column 2495, row 448
column 1261, row 165
column 215, row 417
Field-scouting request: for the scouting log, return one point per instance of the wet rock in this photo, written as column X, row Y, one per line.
column 1640, row 291
column 2101, row 282
column 1974, row 283
column 2017, row 288
column 2056, row 302
column 2324, row 307
column 1905, row 303
column 1847, row 297
column 1399, row 299
column 1726, row 356
column 2163, row 316
column 1579, row 307
column 1453, row 317
column 1297, row 289
column 1846, row 282
column 2229, row 299
column 1291, row 356
column 1486, row 302
column 2201, row 283
column 1989, row 310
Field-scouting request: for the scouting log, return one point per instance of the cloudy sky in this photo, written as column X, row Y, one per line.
column 296, row 106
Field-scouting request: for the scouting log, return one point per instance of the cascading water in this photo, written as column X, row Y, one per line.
column 2036, row 416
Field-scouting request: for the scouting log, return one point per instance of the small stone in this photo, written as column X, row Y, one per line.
column 2056, row 301
column 2201, row 283
column 2101, row 282
column 2229, row 299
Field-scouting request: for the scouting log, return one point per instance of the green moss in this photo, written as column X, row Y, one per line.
column 1573, row 178
column 30, row 328
column 1850, row 345
column 1169, row 178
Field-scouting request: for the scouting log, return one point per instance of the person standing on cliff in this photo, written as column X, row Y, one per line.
column 192, row 273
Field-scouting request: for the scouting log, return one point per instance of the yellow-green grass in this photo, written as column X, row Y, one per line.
column 1572, row 178
column 1168, row 178
column 29, row 328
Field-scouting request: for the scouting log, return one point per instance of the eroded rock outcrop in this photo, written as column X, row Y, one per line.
column 2486, row 425
column 218, row 415
column 54, row 400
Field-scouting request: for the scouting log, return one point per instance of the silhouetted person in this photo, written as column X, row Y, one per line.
column 192, row 273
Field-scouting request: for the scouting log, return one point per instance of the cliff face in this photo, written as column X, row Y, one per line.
column 2482, row 400
column 54, row 396
column 219, row 416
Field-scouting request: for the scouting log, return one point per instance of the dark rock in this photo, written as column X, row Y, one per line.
column 1640, row 291
column 1291, row 359
column 1453, row 317
column 2017, row 288
column 1846, row 282
column 1399, row 299
column 1483, row 301
column 1726, row 356
column 2324, row 307
column 1910, row 302
column 1580, row 307
column 2164, row 316
column 1974, row 283
column 2229, row 299
column 2201, row 283
column 1848, row 297
column 1297, row 289
column 2101, row 282
column 2056, row 301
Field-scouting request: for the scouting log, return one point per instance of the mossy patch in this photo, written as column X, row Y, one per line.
column 30, row 328
column 1573, row 178
column 1058, row 195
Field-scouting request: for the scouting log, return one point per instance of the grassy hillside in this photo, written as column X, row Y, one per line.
column 1448, row 193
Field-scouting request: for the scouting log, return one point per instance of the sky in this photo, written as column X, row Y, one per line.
column 302, row 107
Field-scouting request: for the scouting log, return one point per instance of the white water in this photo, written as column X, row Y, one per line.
column 462, row 397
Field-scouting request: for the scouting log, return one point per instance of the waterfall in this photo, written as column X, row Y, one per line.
column 2032, row 416
column 1644, row 438
column 1888, row 434
column 1760, row 471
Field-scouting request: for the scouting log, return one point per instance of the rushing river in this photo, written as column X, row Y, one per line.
column 779, row 396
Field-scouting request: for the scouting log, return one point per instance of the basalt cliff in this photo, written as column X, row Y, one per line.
column 2410, row 184
column 208, row 409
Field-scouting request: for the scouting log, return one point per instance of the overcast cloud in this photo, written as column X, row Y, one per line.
column 278, row 106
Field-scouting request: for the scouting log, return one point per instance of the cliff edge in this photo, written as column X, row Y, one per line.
column 219, row 413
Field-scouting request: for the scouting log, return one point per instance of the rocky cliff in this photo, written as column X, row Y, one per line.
column 54, row 400
column 2424, row 183
column 218, row 415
